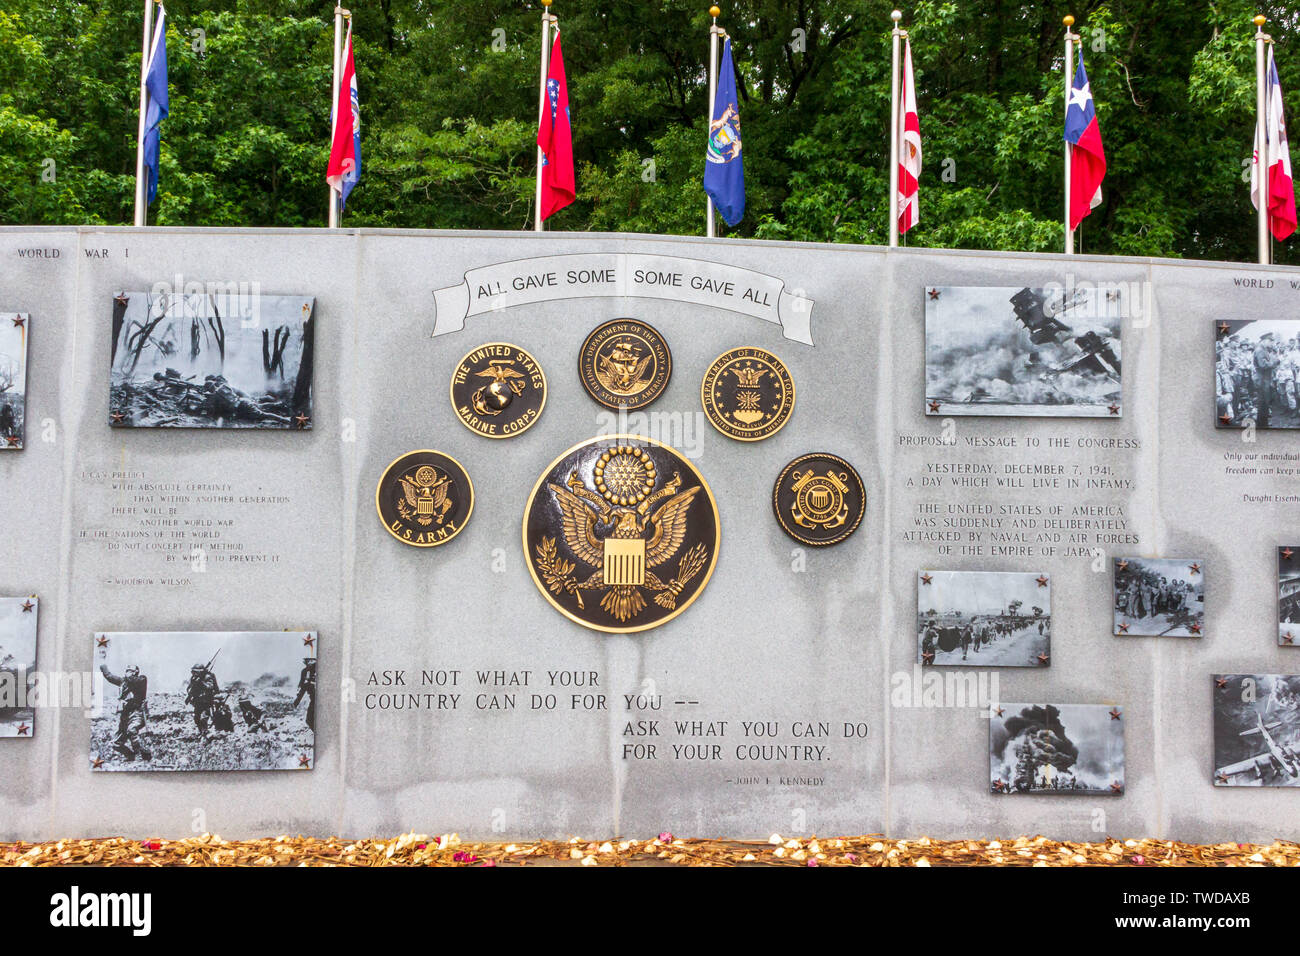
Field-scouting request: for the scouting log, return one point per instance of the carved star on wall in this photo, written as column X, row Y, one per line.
column 1194, row 628
column 1115, row 714
column 1194, row 568
column 1225, row 419
column 19, row 321
column 998, row 711
column 1042, row 580
column 121, row 298
column 1220, row 682
column 1123, row 627
column 934, row 293
column 926, row 579
column 27, row 606
column 95, row 762
column 22, row 730
column 1117, row 787
column 303, row 762
column 102, row 641
column 301, row 419
column 934, row 406
column 1042, row 658
column 1286, row 554
column 308, row 641
column 1114, row 409
column 927, row 657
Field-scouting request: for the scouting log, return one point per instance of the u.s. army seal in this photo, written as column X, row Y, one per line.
column 498, row 390
column 747, row 394
column 621, row 534
column 819, row 499
column 424, row 498
column 625, row 363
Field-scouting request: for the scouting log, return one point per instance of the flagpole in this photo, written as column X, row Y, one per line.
column 547, row 20
column 714, row 32
column 141, row 206
column 339, row 14
column 893, row 133
column 1261, row 136
column 1070, row 37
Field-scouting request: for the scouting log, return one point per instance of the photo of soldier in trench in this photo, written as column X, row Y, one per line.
column 234, row 708
column 211, row 360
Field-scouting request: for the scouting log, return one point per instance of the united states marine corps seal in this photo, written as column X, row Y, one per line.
column 747, row 394
column 625, row 363
column 819, row 499
column 498, row 390
column 621, row 534
column 424, row 498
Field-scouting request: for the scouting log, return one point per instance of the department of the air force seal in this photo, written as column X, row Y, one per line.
column 621, row 534
column 819, row 499
column 424, row 498
column 747, row 394
column 498, row 390
column 625, row 363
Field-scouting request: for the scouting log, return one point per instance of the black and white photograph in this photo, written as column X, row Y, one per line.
column 1159, row 597
column 211, row 360
column 1056, row 748
column 14, row 327
column 1256, row 368
column 1032, row 352
column 1256, row 730
column 206, row 700
column 984, row 618
column 17, row 665
column 1288, row 596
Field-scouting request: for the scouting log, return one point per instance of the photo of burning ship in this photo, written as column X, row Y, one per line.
column 1031, row 352
column 13, row 378
column 1056, row 749
column 224, row 359
column 1256, row 730
column 17, row 665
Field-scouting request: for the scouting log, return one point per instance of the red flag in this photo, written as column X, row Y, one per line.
column 555, row 139
column 1281, row 187
column 345, row 158
column 909, row 149
column 1087, row 158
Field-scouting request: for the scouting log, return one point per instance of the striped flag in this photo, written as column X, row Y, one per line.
column 1087, row 158
column 1281, row 186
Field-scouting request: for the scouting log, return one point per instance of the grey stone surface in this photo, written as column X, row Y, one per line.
column 781, row 633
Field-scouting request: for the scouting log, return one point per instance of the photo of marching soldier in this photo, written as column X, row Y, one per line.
column 1159, row 597
column 211, row 360
column 17, row 665
column 208, row 700
column 984, row 618
column 1288, row 596
column 1056, row 749
column 1256, row 369
column 13, row 378
column 1256, row 730
column 1008, row 351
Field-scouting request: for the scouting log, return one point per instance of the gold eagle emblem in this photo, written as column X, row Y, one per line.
column 623, row 528
column 424, row 495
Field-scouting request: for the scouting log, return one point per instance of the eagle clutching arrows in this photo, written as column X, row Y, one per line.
column 614, row 529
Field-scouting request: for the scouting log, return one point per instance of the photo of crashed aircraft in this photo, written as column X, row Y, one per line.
column 1029, row 351
column 1256, row 730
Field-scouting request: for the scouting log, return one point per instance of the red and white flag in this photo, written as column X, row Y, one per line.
column 345, row 151
column 1281, row 186
column 555, row 139
column 909, row 149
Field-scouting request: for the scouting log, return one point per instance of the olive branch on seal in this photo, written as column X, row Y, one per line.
column 557, row 572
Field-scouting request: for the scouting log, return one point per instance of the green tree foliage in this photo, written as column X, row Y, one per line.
column 449, row 108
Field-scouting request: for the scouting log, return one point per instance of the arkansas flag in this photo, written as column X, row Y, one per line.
column 345, row 152
column 909, row 149
column 1281, row 187
column 1087, row 158
column 555, row 139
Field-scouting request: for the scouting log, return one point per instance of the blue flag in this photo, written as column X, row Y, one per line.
column 724, row 170
column 155, row 84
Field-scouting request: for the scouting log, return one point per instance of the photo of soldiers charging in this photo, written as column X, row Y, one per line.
column 235, row 709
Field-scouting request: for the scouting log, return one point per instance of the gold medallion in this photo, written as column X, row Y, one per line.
column 621, row 534
column 498, row 390
column 424, row 498
column 625, row 363
column 819, row 499
column 747, row 394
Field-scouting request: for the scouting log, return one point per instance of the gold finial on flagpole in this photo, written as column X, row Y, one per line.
column 715, row 12
column 1260, row 20
column 547, row 3
column 1068, row 21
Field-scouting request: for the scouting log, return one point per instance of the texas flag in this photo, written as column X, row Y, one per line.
column 1087, row 158
column 1281, row 188
column 345, row 152
column 555, row 139
column 909, row 149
